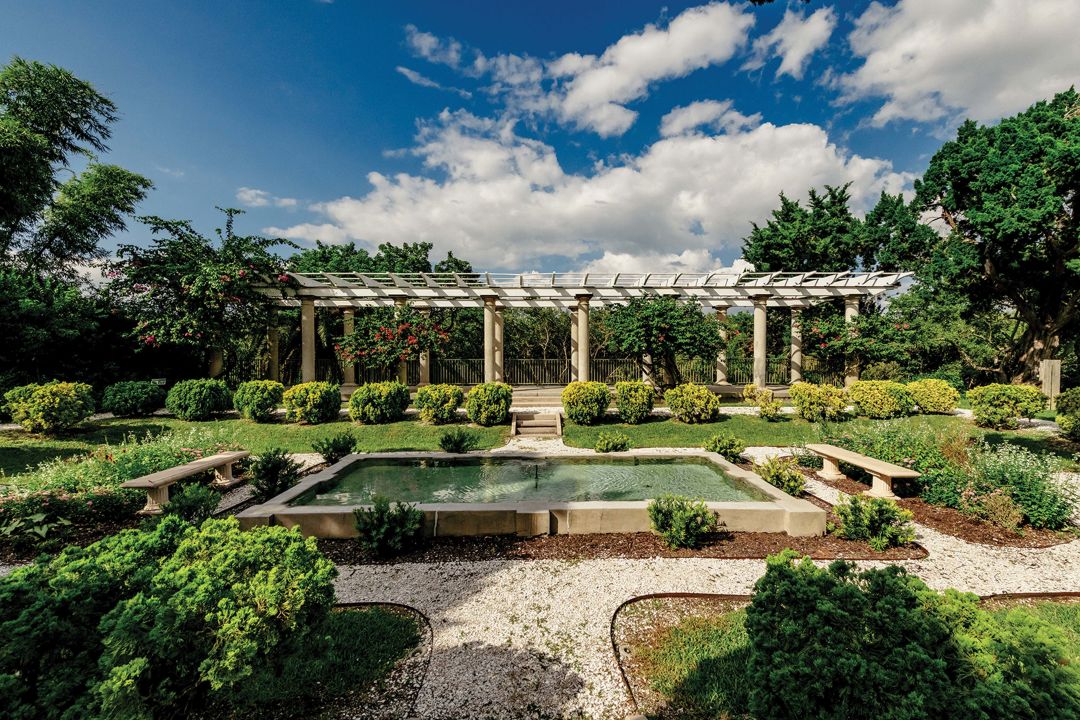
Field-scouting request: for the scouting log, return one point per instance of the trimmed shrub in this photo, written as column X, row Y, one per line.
column 198, row 399
column 612, row 442
column 634, row 399
column 313, row 403
column 1028, row 479
column 387, row 530
column 783, row 473
column 193, row 502
column 727, row 445
column 879, row 521
column 585, row 402
column 438, row 404
column 272, row 473
column 258, row 399
column 1070, row 426
column 458, row 440
column 881, row 399
column 691, row 403
column 818, row 403
column 488, row 404
column 1068, row 409
column 934, row 396
column 379, row 403
column 999, row 405
column 51, row 408
column 335, row 447
column 133, row 398
column 681, row 522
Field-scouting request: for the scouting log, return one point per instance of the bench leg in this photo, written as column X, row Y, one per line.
column 880, row 487
column 156, row 500
column 830, row 470
column 223, row 477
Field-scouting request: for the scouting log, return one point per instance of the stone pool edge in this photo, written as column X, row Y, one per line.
column 783, row 513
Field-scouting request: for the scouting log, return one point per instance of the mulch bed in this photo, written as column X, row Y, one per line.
column 966, row 527
column 603, row 546
column 81, row 535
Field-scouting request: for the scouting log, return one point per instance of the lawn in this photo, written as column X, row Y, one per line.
column 20, row 450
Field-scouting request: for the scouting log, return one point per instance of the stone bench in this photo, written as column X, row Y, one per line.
column 157, row 484
column 883, row 473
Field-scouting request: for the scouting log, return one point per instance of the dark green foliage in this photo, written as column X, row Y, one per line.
column 634, row 399
column 681, row 522
column 879, row 521
column 458, row 440
column 258, row 399
column 198, row 399
column 335, row 447
column 1068, row 410
column 379, row 402
column 272, row 473
column 612, row 442
column 438, row 404
column 727, row 445
column 312, row 402
column 133, row 398
column 387, row 530
column 663, row 329
column 488, row 404
column 192, row 502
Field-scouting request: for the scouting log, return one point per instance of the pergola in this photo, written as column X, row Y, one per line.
column 576, row 292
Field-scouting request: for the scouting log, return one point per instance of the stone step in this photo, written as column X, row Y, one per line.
column 537, row 423
column 548, row 431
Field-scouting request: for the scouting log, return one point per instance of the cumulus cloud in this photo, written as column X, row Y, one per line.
column 715, row 114
column 793, row 40
column 423, row 81
column 504, row 201
column 253, row 197
column 933, row 60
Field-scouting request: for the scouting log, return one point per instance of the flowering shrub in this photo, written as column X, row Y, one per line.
column 1027, row 478
column 313, row 402
column 881, row 399
column 818, row 402
column 438, row 404
column 133, row 398
column 585, row 402
column 51, row 408
column 382, row 340
column 488, row 404
column 258, row 399
column 198, row 399
column 634, row 399
column 379, row 402
column 934, row 396
column 999, row 405
column 692, row 403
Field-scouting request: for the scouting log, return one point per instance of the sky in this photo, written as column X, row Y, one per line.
column 623, row 136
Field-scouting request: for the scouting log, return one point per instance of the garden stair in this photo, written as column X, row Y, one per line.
column 536, row 424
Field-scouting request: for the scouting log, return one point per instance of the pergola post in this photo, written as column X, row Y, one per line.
column 647, row 369
column 500, row 372
column 583, row 337
column 348, row 368
column 425, row 360
column 489, row 339
column 273, row 343
column 721, row 357
column 851, row 314
column 403, row 367
column 796, row 344
column 573, row 344
column 307, row 340
column 761, row 368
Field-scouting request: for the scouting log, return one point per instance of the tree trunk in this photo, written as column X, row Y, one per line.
column 1036, row 344
column 216, row 365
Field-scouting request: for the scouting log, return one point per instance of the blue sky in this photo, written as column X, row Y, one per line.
column 539, row 135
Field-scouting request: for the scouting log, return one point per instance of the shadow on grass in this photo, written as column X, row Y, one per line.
column 1047, row 443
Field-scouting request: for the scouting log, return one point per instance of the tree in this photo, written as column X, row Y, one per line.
column 47, row 117
column 663, row 329
column 186, row 290
column 1010, row 196
column 824, row 236
column 406, row 258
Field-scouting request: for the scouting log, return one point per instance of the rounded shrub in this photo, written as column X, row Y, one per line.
column 273, row 472
column 998, row 405
column 198, row 399
column 681, row 522
column 612, row 442
column 691, row 403
column 387, row 529
column 783, row 473
column 379, row 402
column 489, row 403
column 51, row 408
column 727, row 445
column 934, row 396
column 313, row 402
column 458, row 440
column 1068, row 409
column 438, row 404
column 585, row 402
column 1070, row 426
column 881, row 399
column 335, row 447
column 132, row 398
column 881, row 522
column 818, row 402
column 634, row 399
column 258, row 399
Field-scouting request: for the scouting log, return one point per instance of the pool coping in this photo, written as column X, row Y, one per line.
column 782, row 513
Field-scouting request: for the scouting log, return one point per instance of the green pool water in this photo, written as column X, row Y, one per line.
column 493, row 480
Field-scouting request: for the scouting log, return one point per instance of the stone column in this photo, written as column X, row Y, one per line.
column 307, row 340
column 425, row 360
column 721, row 357
column 796, row 344
column 489, row 339
column 583, row 337
column 851, row 314
column 348, row 369
column 573, row 344
column 500, row 369
column 273, row 365
column 760, row 348
column 403, row 366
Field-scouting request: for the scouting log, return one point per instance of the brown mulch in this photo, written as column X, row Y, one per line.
column 966, row 527
column 81, row 535
column 602, row 546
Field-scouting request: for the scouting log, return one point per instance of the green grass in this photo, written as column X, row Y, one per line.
column 20, row 450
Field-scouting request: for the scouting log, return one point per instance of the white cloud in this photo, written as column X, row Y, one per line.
column 933, row 60
column 253, row 197
column 715, row 114
column 433, row 48
column 423, row 81
column 504, row 201
column 794, row 40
